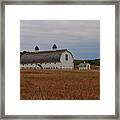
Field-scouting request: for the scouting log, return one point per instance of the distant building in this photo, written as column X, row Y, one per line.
column 84, row 66
column 53, row 59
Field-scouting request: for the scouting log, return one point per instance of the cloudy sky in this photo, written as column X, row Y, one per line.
column 81, row 37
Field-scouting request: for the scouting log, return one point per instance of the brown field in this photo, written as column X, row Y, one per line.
column 59, row 85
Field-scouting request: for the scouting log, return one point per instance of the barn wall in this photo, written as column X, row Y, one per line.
column 67, row 63
column 44, row 65
column 51, row 65
column 28, row 65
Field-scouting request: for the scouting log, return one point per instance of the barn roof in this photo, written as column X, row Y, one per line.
column 41, row 56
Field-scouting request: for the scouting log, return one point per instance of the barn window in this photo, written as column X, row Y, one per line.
column 66, row 57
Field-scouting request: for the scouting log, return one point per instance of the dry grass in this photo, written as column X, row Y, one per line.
column 59, row 85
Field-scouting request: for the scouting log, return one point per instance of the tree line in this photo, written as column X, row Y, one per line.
column 91, row 62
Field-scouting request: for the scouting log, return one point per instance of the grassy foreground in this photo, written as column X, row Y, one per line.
column 59, row 85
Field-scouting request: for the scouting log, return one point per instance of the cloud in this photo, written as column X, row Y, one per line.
column 65, row 33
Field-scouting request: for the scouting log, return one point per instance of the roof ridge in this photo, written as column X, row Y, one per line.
column 48, row 51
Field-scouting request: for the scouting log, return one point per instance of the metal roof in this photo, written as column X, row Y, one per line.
column 41, row 56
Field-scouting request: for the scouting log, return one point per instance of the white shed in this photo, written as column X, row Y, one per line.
column 84, row 66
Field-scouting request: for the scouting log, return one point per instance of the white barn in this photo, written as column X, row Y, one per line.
column 53, row 59
column 84, row 66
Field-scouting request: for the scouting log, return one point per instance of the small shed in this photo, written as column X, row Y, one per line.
column 84, row 66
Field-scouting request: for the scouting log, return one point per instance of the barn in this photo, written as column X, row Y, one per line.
column 52, row 59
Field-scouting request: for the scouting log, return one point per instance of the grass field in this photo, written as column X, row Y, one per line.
column 59, row 85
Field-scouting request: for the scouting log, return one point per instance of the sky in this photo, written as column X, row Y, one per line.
column 80, row 37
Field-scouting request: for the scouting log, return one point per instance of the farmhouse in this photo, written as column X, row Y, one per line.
column 84, row 66
column 52, row 59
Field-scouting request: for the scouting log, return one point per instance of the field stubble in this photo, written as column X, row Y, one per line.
column 59, row 85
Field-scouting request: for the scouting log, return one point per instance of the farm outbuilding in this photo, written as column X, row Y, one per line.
column 84, row 66
column 52, row 59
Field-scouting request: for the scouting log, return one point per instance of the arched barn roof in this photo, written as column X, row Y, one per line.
column 41, row 57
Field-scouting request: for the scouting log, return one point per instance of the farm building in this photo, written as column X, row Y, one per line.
column 84, row 66
column 52, row 59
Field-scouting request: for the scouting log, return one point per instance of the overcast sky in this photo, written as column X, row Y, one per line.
column 81, row 37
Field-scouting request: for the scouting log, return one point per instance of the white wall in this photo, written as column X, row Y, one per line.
column 67, row 63
column 56, row 65
column 87, row 67
column 27, row 65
